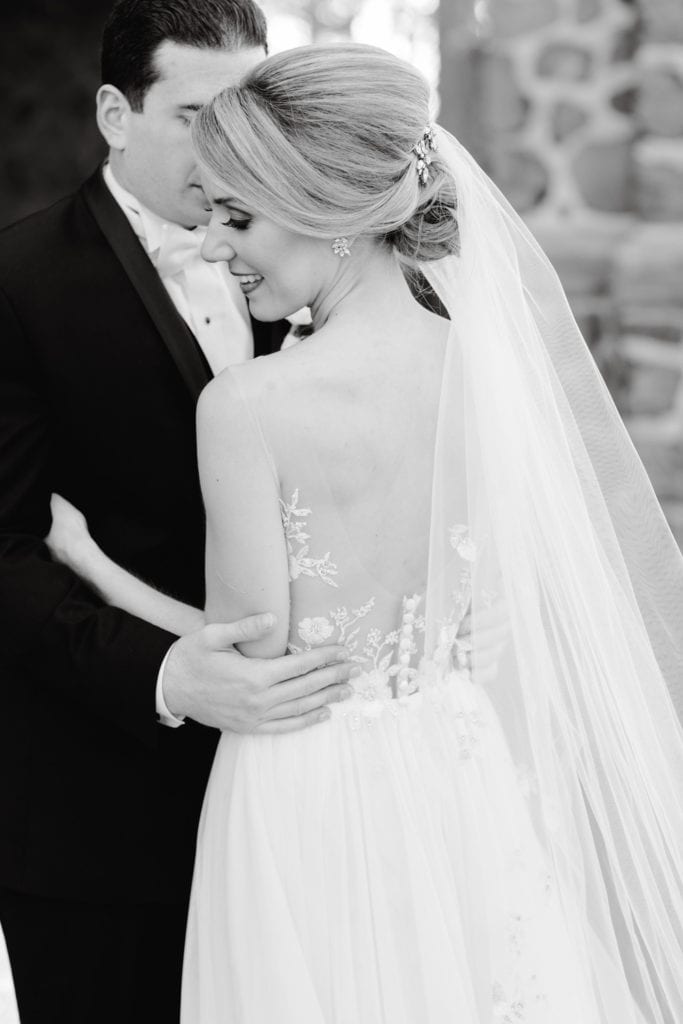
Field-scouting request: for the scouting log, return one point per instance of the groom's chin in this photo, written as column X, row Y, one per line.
column 190, row 210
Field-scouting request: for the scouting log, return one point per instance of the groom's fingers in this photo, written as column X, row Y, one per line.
column 292, row 666
column 280, row 725
column 223, row 635
column 322, row 686
column 301, row 707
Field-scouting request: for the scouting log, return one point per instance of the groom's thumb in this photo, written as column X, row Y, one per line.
column 225, row 634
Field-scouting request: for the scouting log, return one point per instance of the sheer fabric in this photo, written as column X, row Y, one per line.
column 532, row 456
column 453, row 845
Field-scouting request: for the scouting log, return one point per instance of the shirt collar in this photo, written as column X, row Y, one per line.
column 148, row 226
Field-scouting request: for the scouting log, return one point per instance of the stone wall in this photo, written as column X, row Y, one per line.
column 648, row 274
column 579, row 118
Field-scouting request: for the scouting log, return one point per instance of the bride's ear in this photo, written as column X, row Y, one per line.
column 113, row 114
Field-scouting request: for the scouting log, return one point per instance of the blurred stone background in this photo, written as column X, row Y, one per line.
column 575, row 108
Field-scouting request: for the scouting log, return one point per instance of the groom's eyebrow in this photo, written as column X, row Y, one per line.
column 190, row 106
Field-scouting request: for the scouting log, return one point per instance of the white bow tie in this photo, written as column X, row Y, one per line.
column 179, row 246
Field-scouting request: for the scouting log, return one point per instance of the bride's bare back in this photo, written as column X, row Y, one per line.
column 334, row 440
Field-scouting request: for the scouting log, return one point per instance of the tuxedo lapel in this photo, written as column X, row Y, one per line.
column 268, row 337
column 174, row 332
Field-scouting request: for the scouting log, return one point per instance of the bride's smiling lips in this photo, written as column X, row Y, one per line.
column 248, row 282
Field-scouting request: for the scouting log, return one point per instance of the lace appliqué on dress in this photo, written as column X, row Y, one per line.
column 340, row 627
column 300, row 563
column 376, row 656
column 452, row 649
column 343, row 625
column 523, row 999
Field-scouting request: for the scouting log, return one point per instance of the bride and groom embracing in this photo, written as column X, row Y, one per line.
column 461, row 838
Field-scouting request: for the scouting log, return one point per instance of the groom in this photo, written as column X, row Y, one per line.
column 111, row 324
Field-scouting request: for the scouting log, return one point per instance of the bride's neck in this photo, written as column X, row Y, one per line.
column 370, row 287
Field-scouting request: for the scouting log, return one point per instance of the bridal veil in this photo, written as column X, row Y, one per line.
column 541, row 506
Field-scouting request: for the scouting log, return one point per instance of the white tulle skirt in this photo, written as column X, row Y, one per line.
column 380, row 868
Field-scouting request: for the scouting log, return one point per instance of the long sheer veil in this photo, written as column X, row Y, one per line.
column 541, row 505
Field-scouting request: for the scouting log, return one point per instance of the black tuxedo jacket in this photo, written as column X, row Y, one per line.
column 99, row 377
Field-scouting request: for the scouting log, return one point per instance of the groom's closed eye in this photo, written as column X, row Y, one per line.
column 187, row 111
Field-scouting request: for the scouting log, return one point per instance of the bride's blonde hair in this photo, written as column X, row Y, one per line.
column 320, row 139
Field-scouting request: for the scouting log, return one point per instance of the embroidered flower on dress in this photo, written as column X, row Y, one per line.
column 383, row 656
column 507, row 1011
column 315, row 631
column 345, row 621
column 300, row 563
column 462, row 542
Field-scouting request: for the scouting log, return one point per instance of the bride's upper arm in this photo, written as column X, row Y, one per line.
column 246, row 554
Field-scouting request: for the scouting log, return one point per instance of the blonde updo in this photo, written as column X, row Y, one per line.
column 320, row 139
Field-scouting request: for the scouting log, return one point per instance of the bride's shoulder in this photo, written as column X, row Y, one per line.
column 243, row 380
column 253, row 390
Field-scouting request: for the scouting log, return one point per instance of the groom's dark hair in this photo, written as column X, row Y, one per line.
column 135, row 28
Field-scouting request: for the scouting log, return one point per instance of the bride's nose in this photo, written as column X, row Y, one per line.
column 216, row 249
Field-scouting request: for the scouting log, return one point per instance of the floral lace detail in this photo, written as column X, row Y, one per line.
column 462, row 542
column 383, row 656
column 522, row 1000
column 315, row 631
column 505, row 1009
column 340, row 628
column 300, row 563
column 452, row 649
column 387, row 659
column 346, row 623
column 469, row 724
column 378, row 651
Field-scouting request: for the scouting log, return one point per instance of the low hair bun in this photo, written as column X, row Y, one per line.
column 431, row 233
column 330, row 141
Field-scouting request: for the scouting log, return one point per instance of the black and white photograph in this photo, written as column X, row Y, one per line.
column 341, row 512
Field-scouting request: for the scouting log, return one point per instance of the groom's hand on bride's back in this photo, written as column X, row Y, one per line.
column 207, row 680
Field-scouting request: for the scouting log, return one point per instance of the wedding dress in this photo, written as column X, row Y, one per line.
column 381, row 867
column 456, row 846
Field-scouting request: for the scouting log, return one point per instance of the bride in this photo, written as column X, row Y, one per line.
column 455, row 843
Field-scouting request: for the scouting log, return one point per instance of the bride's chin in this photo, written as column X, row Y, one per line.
column 264, row 311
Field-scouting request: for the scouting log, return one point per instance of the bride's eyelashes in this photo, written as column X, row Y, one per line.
column 240, row 225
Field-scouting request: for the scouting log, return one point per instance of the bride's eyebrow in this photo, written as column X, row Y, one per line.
column 228, row 201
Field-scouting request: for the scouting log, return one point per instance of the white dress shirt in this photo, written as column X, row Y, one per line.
column 207, row 297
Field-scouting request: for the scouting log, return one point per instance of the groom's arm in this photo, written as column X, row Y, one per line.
column 63, row 637
column 55, row 628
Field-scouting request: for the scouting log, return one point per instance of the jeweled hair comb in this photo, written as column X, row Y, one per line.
column 421, row 149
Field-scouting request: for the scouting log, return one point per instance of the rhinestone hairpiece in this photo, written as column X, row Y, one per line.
column 421, row 150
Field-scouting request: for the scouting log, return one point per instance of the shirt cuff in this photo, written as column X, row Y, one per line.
column 164, row 716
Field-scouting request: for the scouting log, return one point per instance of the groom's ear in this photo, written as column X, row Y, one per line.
column 113, row 116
